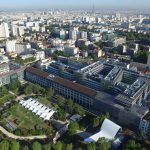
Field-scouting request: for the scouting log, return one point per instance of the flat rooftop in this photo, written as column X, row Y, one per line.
column 64, row 82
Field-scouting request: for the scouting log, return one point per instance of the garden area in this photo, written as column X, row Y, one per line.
column 25, row 121
column 6, row 99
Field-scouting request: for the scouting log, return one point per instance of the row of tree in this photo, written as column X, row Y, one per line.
column 14, row 86
column 3, row 92
column 133, row 35
column 141, row 57
column 101, row 144
column 98, row 120
column 16, row 145
column 63, row 105
column 34, row 89
column 59, row 53
column 25, row 61
column 133, row 145
column 67, row 105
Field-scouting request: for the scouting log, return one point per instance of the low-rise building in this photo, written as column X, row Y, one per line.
column 22, row 48
column 11, row 72
column 40, row 55
column 3, row 59
column 145, row 124
column 71, row 50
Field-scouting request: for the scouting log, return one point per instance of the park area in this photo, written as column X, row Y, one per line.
column 23, row 122
column 6, row 99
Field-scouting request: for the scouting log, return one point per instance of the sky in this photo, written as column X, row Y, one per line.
column 28, row 4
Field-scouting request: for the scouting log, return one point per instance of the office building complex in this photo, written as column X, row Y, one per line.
column 124, row 106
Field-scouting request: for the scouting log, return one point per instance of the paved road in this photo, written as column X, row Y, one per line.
column 10, row 135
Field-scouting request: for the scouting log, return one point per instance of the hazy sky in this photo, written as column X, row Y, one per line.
column 75, row 4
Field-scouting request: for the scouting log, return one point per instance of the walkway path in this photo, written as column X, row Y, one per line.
column 10, row 135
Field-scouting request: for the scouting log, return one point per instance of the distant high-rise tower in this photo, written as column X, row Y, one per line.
column 4, row 30
column 93, row 9
column 118, row 16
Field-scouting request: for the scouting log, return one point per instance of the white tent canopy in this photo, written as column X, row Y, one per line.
column 47, row 110
column 43, row 108
column 39, row 112
column 39, row 109
column 108, row 130
column 35, row 110
column 49, row 115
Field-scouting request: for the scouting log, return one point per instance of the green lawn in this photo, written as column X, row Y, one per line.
column 23, row 118
column 5, row 99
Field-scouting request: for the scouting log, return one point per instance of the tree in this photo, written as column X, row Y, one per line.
column 37, row 89
column 69, row 147
column 94, row 56
column 96, row 122
column 16, row 83
column 58, row 146
column 47, row 147
column 141, row 135
column 61, row 101
column 61, row 114
column 50, row 92
column 4, row 145
column 25, row 147
column 91, row 146
column 103, row 144
column 99, row 44
column 28, row 90
column 141, row 57
column 15, row 86
column 83, row 47
column 72, row 128
column 4, row 90
column 69, row 106
column 36, row 146
column 15, row 145
column 79, row 148
column 78, row 110
column 103, row 117
column 28, row 60
column 131, row 144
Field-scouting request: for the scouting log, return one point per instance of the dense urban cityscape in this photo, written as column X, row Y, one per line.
column 74, row 78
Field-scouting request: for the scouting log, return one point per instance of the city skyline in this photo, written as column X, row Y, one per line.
column 111, row 4
column 74, row 74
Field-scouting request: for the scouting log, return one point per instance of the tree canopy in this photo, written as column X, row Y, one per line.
column 91, row 146
column 4, row 145
column 46, row 147
column 103, row 144
column 141, row 57
column 69, row 146
column 98, row 120
column 15, row 145
column 36, row 146
column 72, row 128
column 58, row 146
